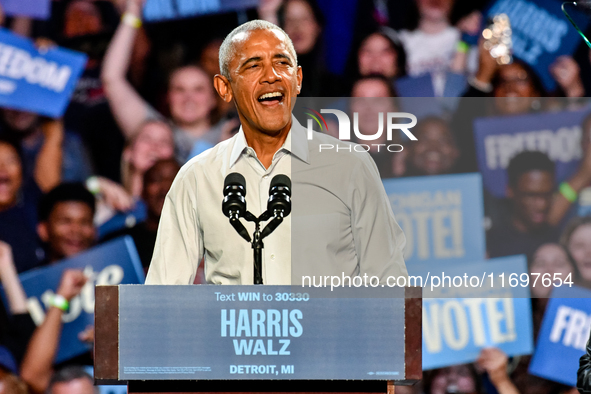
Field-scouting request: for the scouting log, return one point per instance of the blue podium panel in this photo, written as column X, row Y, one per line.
column 259, row 332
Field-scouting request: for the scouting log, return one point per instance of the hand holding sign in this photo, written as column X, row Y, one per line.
column 71, row 283
column 494, row 361
column 566, row 72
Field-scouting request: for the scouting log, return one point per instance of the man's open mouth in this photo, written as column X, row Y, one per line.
column 271, row 98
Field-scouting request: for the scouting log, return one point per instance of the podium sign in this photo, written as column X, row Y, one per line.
column 261, row 333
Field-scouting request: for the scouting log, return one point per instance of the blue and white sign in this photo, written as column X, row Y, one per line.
column 112, row 263
column 563, row 336
column 541, row 32
column 260, row 332
column 441, row 216
column 37, row 82
column 487, row 312
column 499, row 139
column 36, row 9
column 159, row 10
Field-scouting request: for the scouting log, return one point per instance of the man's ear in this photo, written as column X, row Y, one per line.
column 222, row 86
column 299, row 77
column 42, row 231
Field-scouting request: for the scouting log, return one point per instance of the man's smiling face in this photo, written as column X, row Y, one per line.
column 264, row 80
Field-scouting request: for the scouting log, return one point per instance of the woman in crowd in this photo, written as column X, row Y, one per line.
column 549, row 260
column 431, row 44
column 152, row 142
column 191, row 98
column 372, row 95
column 435, row 152
column 576, row 238
column 379, row 53
column 303, row 22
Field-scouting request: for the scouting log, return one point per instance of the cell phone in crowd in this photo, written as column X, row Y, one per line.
column 498, row 39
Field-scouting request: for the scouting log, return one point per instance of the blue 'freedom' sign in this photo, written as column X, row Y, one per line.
column 563, row 336
column 441, row 216
column 499, row 139
column 37, row 82
column 115, row 262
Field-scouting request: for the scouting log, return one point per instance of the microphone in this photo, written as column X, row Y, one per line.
column 234, row 203
column 279, row 204
column 280, row 196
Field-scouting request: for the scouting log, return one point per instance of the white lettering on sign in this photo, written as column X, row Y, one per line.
column 110, row 275
column 571, row 327
column 562, row 145
column 18, row 64
column 534, row 29
column 430, row 218
column 460, row 322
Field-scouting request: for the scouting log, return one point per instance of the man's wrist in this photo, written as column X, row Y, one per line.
column 60, row 302
column 131, row 19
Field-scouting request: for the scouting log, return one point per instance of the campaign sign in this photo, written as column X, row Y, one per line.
column 541, row 32
column 36, row 9
column 441, row 216
column 37, row 82
column 260, row 332
column 112, row 263
column 563, row 336
column 474, row 314
column 159, row 10
column 499, row 139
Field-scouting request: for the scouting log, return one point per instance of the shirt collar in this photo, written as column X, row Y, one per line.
column 295, row 143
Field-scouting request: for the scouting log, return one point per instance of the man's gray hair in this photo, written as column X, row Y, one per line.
column 227, row 48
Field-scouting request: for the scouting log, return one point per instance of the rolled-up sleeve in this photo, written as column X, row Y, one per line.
column 179, row 243
column 379, row 240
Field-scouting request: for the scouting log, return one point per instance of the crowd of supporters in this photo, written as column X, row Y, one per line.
column 145, row 105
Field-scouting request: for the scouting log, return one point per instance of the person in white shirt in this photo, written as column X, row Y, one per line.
column 341, row 221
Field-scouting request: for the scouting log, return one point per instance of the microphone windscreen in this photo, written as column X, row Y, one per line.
column 235, row 178
column 280, row 180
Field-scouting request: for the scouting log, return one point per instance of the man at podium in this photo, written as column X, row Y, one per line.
column 341, row 223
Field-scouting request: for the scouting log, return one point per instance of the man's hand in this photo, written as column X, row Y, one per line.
column 71, row 283
column 487, row 65
column 566, row 72
column 6, row 259
column 494, row 361
column 115, row 195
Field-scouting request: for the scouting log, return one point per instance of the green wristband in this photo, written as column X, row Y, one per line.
column 59, row 302
column 568, row 192
column 462, row 47
column 93, row 185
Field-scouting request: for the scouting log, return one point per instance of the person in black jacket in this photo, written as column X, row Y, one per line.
column 584, row 372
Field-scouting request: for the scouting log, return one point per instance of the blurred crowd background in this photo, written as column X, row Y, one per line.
column 145, row 105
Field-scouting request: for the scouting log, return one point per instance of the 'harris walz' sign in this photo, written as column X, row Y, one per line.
column 37, row 82
column 159, row 10
column 260, row 332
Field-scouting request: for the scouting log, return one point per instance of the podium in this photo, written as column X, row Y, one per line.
column 238, row 339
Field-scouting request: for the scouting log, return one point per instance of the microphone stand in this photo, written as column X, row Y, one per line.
column 257, row 239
